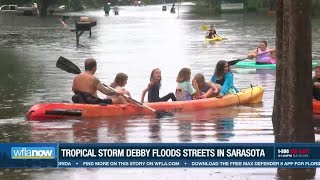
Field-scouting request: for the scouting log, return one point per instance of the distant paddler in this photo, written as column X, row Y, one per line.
column 211, row 33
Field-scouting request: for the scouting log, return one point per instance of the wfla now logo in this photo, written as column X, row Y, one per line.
column 33, row 153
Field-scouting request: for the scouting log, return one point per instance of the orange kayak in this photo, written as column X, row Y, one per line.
column 42, row 112
column 316, row 107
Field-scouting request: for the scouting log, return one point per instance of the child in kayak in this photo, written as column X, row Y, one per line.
column 154, row 87
column 185, row 90
column 316, row 83
column 205, row 90
column 119, row 83
column 223, row 79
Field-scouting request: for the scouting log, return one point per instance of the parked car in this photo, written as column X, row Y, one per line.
column 28, row 10
column 55, row 9
column 8, row 9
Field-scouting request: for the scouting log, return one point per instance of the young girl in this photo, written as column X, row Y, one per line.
column 205, row 90
column 119, row 83
column 154, row 87
column 185, row 91
column 223, row 79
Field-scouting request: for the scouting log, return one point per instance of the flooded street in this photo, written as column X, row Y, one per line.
column 135, row 42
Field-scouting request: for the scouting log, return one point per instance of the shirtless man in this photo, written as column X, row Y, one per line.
column 85, row 86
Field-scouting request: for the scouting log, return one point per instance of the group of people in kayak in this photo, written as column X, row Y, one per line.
column 86, row 85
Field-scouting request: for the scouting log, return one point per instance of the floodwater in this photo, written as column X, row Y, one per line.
column 135, row 42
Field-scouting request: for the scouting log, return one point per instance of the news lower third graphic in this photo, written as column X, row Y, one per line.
column 32, row 152
column 159, row 155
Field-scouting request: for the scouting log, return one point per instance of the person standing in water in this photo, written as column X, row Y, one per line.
column 173, row 9
column 107, row 9
column 116, row 10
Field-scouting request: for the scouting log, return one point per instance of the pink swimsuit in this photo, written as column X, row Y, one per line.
column 264, row 58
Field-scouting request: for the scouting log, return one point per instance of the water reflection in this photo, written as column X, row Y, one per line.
column 16, row 83
column 195, row 127
column 14, row 133
column 184, row 128
column 155, row 130
column 224, row 129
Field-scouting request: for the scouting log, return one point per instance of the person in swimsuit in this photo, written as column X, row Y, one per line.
column 85, row 86
column 263, row 54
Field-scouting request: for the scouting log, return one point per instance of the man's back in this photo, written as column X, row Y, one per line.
column 85, row 82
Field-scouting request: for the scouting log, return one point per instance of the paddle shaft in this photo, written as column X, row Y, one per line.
column 238, row 60
column 125, row 95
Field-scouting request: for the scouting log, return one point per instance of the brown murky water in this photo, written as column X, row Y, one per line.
column 135, row 42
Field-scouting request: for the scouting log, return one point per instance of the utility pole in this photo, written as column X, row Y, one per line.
column 179, row 7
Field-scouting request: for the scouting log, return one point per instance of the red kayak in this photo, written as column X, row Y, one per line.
column 46, row 111
column 316, row 107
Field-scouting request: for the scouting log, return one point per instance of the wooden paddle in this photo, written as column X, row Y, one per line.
column 70, row 67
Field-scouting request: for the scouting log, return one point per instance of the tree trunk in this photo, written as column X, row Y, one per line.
column 43, row 8
column 292, row 111
column 276, row 115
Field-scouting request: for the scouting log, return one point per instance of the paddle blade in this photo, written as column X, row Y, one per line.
column 204, row 27
column 67, row 66
column 161, row 114
column 233, row 62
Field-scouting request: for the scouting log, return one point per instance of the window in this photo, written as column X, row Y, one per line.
column 12, row 7
column 5, row 7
